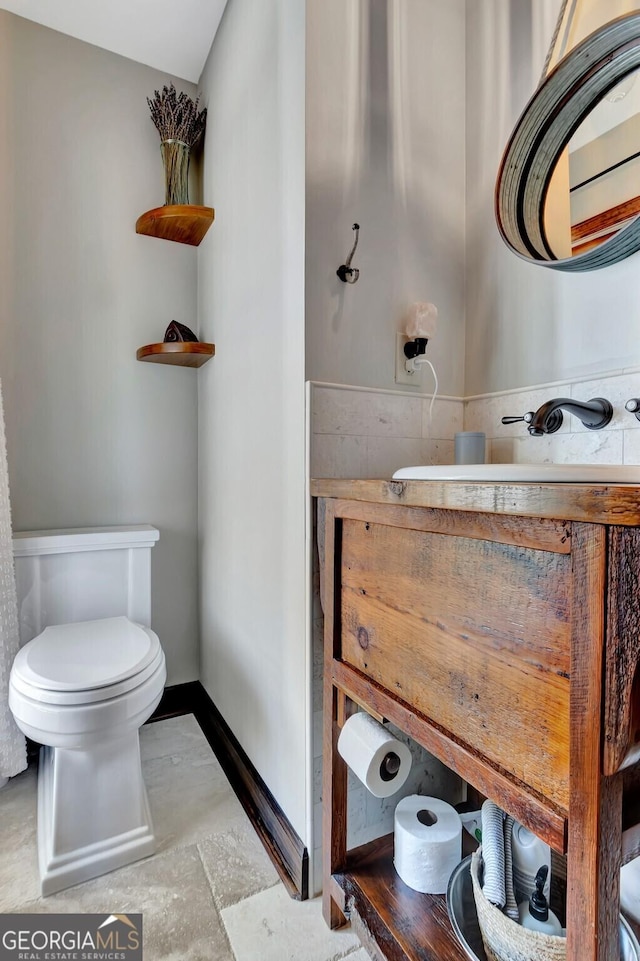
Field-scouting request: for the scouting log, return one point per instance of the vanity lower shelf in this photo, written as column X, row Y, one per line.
column 386, row 914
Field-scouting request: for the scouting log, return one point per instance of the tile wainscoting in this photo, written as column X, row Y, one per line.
column 368, row 433
column 363, row 432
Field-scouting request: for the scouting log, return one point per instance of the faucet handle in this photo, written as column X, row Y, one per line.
column 633, row 405
column 527, row 418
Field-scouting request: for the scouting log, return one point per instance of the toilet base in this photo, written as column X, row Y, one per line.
column 93, row 812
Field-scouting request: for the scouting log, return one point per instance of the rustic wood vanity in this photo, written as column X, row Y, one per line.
column 499, row 626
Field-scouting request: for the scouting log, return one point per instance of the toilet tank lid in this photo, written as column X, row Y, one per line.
column 27, row 543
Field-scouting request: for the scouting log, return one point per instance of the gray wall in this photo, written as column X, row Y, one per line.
column 254, row 643
column 527, row 324
column 94, row 437
column 385, row 148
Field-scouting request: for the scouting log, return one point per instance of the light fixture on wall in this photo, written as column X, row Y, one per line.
column 420, row 325
column 347, row 273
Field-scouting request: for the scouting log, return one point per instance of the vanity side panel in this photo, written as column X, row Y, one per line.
column 474, row 634
column 595, row 805
column 334, row 774
column 622, row 664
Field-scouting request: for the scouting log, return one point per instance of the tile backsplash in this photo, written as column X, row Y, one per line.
column 618, row 443
column 363, row 432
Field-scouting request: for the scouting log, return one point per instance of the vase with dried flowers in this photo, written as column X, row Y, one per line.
column 180, row 127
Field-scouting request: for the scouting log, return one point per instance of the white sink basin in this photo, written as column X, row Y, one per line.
column 525, row 473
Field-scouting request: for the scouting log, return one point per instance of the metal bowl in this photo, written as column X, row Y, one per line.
column 464, row 919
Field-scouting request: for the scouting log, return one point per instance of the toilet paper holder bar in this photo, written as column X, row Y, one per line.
column 347, row 705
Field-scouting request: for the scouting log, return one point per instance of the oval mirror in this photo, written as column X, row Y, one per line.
column 565, row 193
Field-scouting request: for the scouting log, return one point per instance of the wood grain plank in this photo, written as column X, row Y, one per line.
column 334, row 806
column 485, row 628
column 541, row 534
column 622, row 678
column 177, row 354
column 595, row 802
column 367, row 927
column 393, row 921
column 542, row 816
column 594, row 503
column 323, row 559
column 337, row 894
column 503, row 599
column 183, row 223
column 334, row 770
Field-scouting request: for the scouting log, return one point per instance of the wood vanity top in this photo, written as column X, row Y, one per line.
column 595, row 503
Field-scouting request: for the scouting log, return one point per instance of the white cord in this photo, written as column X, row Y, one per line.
column 425, row 360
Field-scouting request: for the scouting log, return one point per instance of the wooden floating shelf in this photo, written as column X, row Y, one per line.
column 178, row 353
column 183, row 223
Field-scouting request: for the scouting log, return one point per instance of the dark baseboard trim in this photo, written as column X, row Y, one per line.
column 288, row 853
column 284, row 847
column 177, row 700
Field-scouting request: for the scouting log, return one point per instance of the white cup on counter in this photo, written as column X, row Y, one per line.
column 470, row 447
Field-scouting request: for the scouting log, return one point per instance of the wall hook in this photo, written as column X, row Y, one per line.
column 346, row 272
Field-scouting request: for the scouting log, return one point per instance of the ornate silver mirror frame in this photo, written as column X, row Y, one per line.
column 554, row 113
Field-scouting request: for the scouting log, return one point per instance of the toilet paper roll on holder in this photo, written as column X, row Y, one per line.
column 390, row 763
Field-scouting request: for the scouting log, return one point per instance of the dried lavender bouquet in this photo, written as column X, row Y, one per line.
column 180, row 127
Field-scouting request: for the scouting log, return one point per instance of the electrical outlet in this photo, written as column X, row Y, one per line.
column 402, row 374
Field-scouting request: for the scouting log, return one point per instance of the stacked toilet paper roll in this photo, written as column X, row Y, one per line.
column 375, row 756
column 427, row 843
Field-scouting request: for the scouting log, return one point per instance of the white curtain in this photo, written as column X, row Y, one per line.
column 13, row 753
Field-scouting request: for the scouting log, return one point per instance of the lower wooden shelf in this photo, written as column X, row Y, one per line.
column 403, row 924
column 187, row 353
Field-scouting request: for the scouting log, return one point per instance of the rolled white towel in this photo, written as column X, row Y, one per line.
column 511, row 907
column 493, row 854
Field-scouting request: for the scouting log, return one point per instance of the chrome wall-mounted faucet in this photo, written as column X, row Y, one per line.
column 527, row 418
column 594, row 414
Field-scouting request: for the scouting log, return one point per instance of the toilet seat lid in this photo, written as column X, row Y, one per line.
column 86, row 655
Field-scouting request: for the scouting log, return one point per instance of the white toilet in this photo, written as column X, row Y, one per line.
column 90, row 673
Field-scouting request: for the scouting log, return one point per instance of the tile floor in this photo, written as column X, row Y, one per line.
column 210, row 893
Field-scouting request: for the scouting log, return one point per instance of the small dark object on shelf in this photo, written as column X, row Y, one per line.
column 176, row 332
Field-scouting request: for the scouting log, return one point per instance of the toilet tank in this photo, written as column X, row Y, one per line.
column 82, row 574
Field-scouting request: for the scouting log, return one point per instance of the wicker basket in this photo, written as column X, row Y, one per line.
column 504, row 939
